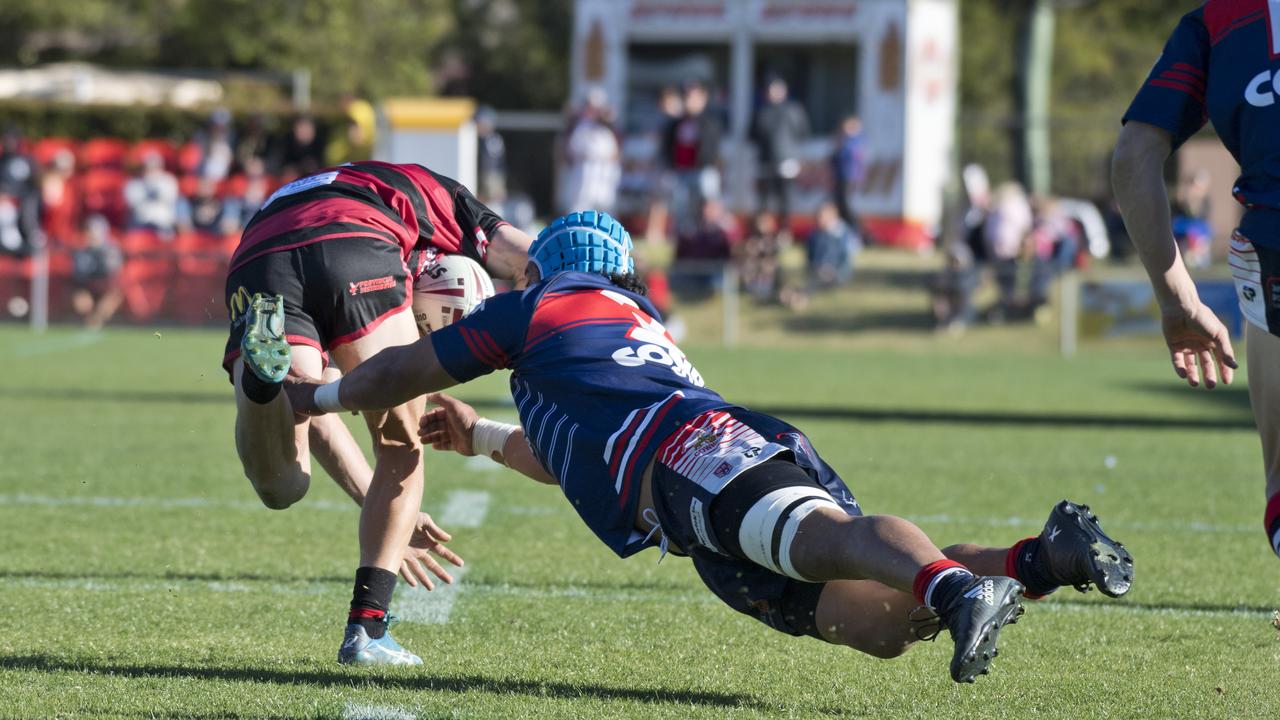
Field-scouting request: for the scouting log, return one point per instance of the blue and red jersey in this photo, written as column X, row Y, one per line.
column 598, row 384
column 406, row 205
column 1223, row 64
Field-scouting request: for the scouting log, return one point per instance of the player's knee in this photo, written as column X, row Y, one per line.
column 885, row 649
column 278, row 491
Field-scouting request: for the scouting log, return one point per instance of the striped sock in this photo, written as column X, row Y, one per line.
column 1272, row 522
column 938, row 583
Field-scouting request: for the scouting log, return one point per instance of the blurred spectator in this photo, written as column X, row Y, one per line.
column 977, row 204
column 670, row 108
column 60, row 197
column 492, row 163
column 217, row 147
column 952, row 291
column 761, row 270
column 848, row 168
column 96, row 292
column 692, row 147
column 20, row 231
column 250, row 195
column 831, row 249
column 254, row 142
column 591, row 158
column 1054, row 243
column 356, row 140
column 206, row 212
column 152, row 196
column 778, row 130
column 302, row 150
column 715, row 236
column 1005, row 235
column 1191, row 226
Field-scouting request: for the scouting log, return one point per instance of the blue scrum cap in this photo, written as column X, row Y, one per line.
column 587, row 241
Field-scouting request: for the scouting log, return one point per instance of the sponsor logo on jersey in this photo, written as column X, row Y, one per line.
column 301, row 184
column 1263, row 89
column 1249, row 294
column 374, row 285
column 722, row 469
column 482, row 243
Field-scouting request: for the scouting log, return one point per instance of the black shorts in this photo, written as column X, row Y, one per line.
column 335, row 291
column 701, row 506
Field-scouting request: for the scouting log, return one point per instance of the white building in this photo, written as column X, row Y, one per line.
column 892, row 62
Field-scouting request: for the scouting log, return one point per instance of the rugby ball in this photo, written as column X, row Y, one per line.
column 448, row 288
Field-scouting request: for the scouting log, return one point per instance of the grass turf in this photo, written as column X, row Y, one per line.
column 140, row 579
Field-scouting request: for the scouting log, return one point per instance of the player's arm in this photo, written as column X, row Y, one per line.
column 390, row 378
column 509, row 254
column 1199, row 344
column 455, row 425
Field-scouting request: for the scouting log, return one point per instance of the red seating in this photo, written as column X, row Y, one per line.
column 102, row 192
column 104, row 153
column 45, row 149
column 190, row 156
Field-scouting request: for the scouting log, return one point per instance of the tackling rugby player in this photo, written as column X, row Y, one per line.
column 325, row 271
column 613, row 412
column 1222, row 63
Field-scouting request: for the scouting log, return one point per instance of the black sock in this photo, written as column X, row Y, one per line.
column 371, row 598
column 1030, row 571
column 258, row 390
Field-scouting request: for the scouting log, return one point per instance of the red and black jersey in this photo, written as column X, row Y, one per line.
column 407, row 205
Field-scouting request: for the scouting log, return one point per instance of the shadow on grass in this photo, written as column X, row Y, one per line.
column 1235, row 397
column 420, row 680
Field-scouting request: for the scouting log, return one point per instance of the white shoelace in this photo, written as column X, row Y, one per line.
column 651, row 516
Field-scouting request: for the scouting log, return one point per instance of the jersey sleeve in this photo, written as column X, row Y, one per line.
column 1173, row 96
column 490, row 338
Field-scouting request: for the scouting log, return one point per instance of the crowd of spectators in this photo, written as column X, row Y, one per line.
column 97, row 200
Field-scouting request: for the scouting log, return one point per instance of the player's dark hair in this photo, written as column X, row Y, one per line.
column 630, row 282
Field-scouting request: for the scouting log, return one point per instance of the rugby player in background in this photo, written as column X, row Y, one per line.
column 616, row 415
column 325, row 271
column 1222, row 63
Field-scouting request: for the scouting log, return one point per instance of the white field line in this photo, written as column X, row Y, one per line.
column 417, row 605
column 673, row 595
column 27, row 500
column 464, row 508
column 53, row 345
column 357, row 711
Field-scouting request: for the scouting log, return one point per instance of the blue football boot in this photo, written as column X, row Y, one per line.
column 263, row 346
column 360, row 649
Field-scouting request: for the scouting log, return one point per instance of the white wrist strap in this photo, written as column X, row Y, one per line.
column 326, row 397
column 489, row 437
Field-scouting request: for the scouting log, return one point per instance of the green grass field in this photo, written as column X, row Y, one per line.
column 139, row 578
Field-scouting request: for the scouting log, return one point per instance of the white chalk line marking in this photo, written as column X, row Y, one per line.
column 22, row 499
column 53, row 345
column 418, row 605
column 464, row 508
column 357, row 711
column 564, row 592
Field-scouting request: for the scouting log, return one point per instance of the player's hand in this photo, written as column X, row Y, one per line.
column 448, row 426
column 1199, row 346
column 418, row 565
column 302, row 394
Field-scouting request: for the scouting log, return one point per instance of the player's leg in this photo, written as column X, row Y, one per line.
column 1072, row 550
column 369, row 308
column 1263, row 350
column 270, row 332
column 271, row 440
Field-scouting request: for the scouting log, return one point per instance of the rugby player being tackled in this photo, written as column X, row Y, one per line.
column 1222, row 63
column 614, row 413
column 324, row 272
